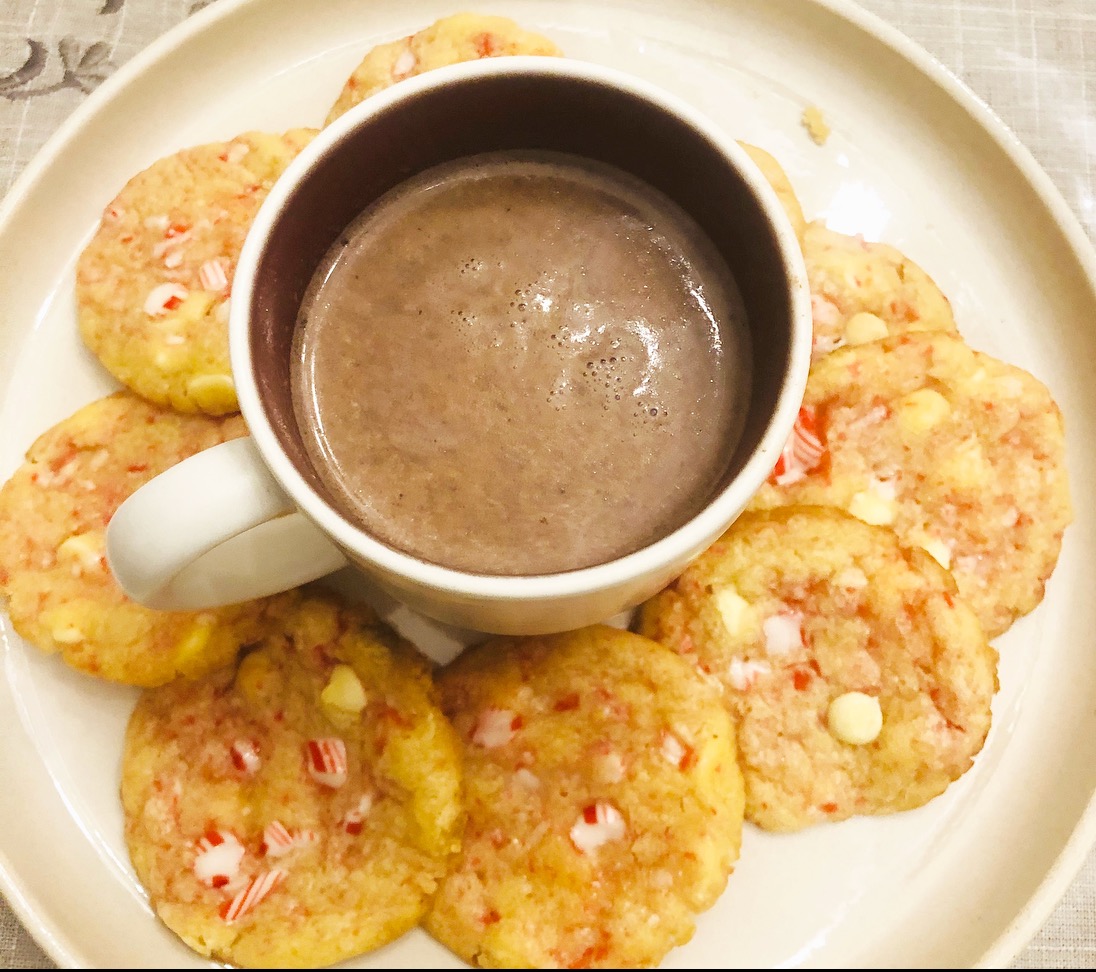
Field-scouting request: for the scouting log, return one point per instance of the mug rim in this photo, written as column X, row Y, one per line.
column 680, row 544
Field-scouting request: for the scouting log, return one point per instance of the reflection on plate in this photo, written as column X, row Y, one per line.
column 912, row 159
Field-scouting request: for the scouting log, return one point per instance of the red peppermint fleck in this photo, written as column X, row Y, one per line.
column 212, row 275
column 801, row 679
column 491, row 917
column 245, row 756
column 828, row 808
column 486, row 45
column 326, row 759
column 598, row 824
column 251, row 895
column 802, row 453
column 567, row 703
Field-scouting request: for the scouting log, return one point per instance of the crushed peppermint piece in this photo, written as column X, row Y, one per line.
column 164, row 298
column 252, row 895
column 734, row 610
column 279, row 840
column 783, row 633
column 851, row 577
column 326, row 759
column 159, row 222
column 677, row 753
column 609, row 767
column 495, row 727
column 352, row 819
column 245, row 756
column 212, row 276
column 802, row 453
column 405, row 63
column 598, row 824
column 218, row 859
column 172, row 242
column 526, row 778
column 743, row 674
column 824, row 311
column 876, row 504
column 236, row 151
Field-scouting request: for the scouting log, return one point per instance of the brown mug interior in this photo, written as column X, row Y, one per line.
column 527, row 110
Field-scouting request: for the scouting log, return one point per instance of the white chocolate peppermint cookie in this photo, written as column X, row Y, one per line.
column 153, row 285
column 859, row 680
column 863, row 291
column 451, row 40
column 54, row 512
column 299, row 808
column 777, row 178
column 961, row 454
column 604, row 802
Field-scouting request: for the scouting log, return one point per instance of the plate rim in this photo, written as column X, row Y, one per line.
column 52, row 938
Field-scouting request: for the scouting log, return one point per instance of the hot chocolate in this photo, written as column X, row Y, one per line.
column 521, row 363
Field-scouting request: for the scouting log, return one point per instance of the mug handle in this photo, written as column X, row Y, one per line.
column 215, row 529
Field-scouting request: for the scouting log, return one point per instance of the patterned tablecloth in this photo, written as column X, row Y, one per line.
column 1033, row 61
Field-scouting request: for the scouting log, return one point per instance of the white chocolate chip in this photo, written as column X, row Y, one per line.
column 735, row 611
column 934, row 547
column 851, row 577
column 212, row 393
column 67, row 634
column 922, row 410
column 876, row 504
column 344, row 690
column 865, row 327
column 83, row 548
column 855, row 718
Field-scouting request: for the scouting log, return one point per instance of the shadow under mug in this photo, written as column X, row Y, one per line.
column 251, row 517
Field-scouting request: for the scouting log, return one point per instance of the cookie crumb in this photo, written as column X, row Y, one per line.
column 815, row 124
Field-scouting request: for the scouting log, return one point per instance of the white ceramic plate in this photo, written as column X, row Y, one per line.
column 914, row 159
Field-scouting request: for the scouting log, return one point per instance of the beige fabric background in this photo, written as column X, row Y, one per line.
column 1033, row 61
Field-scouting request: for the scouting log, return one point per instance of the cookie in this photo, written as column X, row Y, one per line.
column 959, row 453
column 153, row 285
column 776, row 177
column 297, row 809
column 54, row 512
column 863, row 291
column 451, row 40
column 604, row 802
column 859, row 681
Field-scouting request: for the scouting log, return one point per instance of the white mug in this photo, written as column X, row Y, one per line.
column 250, row 517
